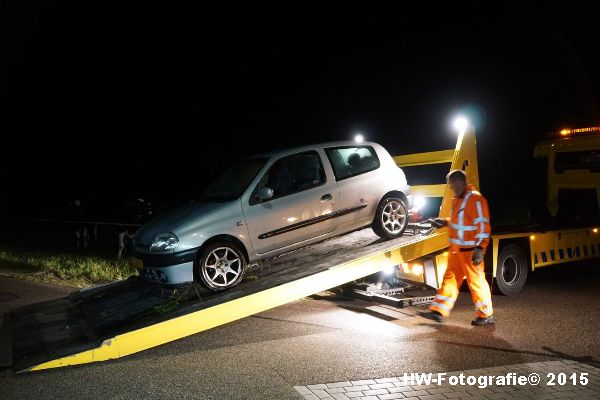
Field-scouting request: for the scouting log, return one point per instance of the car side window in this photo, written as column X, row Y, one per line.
column 292, row 174
column 350, row 161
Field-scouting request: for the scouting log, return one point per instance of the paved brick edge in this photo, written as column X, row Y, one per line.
column 396, row 388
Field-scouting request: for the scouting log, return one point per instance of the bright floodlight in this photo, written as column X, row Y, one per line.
column 389, row 270
column 418, row 202
column 460, row 124
column 359, row 138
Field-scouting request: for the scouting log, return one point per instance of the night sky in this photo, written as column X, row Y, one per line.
column 114, row 101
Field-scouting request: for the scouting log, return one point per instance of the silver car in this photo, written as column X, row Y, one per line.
column 273, row 203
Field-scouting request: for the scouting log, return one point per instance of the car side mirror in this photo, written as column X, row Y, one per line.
column 265, row 193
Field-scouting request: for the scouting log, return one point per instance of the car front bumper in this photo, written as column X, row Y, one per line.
column 168, row 269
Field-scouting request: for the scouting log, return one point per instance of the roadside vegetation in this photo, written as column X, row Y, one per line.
column 68, row 269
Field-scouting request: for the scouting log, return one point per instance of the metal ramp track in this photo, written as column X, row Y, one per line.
column 410, row 295
column 131, row 316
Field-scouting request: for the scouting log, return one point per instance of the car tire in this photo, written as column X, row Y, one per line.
column 220, row 265
column 391, row 218
column 511, row 273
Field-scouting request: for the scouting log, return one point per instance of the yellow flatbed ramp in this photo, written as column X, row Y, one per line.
column 126, row 317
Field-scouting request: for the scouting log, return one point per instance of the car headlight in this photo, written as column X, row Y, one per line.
column 164, row 242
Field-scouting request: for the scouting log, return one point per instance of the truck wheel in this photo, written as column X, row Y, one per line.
column 512, row 270
column 391, row 218
column 220, row 266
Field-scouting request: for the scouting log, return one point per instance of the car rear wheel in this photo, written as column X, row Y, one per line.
column 221, row 266
column 391, row 218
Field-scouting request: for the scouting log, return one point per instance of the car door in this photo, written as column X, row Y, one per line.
column 355, row 169
column 302, row 206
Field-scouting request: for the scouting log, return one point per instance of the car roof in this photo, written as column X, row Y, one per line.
column 292, row 150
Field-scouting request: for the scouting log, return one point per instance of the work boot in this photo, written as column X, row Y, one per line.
column 432, row 315
column 480, row 321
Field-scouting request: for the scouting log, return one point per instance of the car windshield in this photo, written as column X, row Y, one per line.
column 233, row 181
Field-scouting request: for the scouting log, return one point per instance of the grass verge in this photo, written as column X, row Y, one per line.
column 67, row 269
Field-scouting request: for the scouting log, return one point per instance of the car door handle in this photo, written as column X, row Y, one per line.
column 326, row 197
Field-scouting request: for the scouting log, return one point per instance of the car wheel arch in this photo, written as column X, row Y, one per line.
column 396, row 193
column 220, row 238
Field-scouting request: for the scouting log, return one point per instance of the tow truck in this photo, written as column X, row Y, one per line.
column 129, row 316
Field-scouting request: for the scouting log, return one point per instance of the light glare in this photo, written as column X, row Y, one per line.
column 419, row 202
column 460, row 124
column 389, row 270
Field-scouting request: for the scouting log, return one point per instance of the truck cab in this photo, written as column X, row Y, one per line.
column 571, row 159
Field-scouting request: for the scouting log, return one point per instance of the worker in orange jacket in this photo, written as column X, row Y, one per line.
column 469, row 226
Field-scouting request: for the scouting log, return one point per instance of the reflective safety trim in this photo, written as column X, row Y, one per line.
column 445, row 298
column 463, row 242
column 463, row 227
column 481, row 219
column 461, row 215
column 440, row 305
column 482, row 304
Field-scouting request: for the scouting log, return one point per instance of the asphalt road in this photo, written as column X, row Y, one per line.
column 324, row 339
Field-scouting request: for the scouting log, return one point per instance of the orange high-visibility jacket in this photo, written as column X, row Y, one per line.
column 469, row 223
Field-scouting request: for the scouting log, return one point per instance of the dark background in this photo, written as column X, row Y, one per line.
column 108, row 102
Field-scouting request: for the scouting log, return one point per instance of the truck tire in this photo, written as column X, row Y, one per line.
column 511, row 273
column 391, row 218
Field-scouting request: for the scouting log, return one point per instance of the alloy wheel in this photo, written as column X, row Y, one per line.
column 222, row 266
column 393, row 217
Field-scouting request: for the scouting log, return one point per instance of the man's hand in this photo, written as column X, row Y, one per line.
column 478, row 254
column 438, row 222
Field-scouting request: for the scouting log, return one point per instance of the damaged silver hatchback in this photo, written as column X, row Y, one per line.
column 269, row 204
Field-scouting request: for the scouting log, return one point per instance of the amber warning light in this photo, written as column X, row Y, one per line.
column 579, row 131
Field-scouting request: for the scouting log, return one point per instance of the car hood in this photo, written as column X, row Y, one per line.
column 175, row 219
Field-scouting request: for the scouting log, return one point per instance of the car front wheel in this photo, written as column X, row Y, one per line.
column 391, row 218
column 220, row 266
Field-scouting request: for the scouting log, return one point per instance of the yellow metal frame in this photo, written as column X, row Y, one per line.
column 464, row 156
column 556, row 247
column 432, row 157
column 546, row 248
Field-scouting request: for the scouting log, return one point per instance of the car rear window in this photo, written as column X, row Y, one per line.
column 348, row 161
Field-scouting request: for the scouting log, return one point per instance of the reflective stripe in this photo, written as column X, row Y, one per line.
column 440, row 305
column 484, row 306
column 482, row 219
column 480, row 215
column 445, row 298
column 482, row 235
column 461, row 215
column 463, row 227
column 463, row 242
